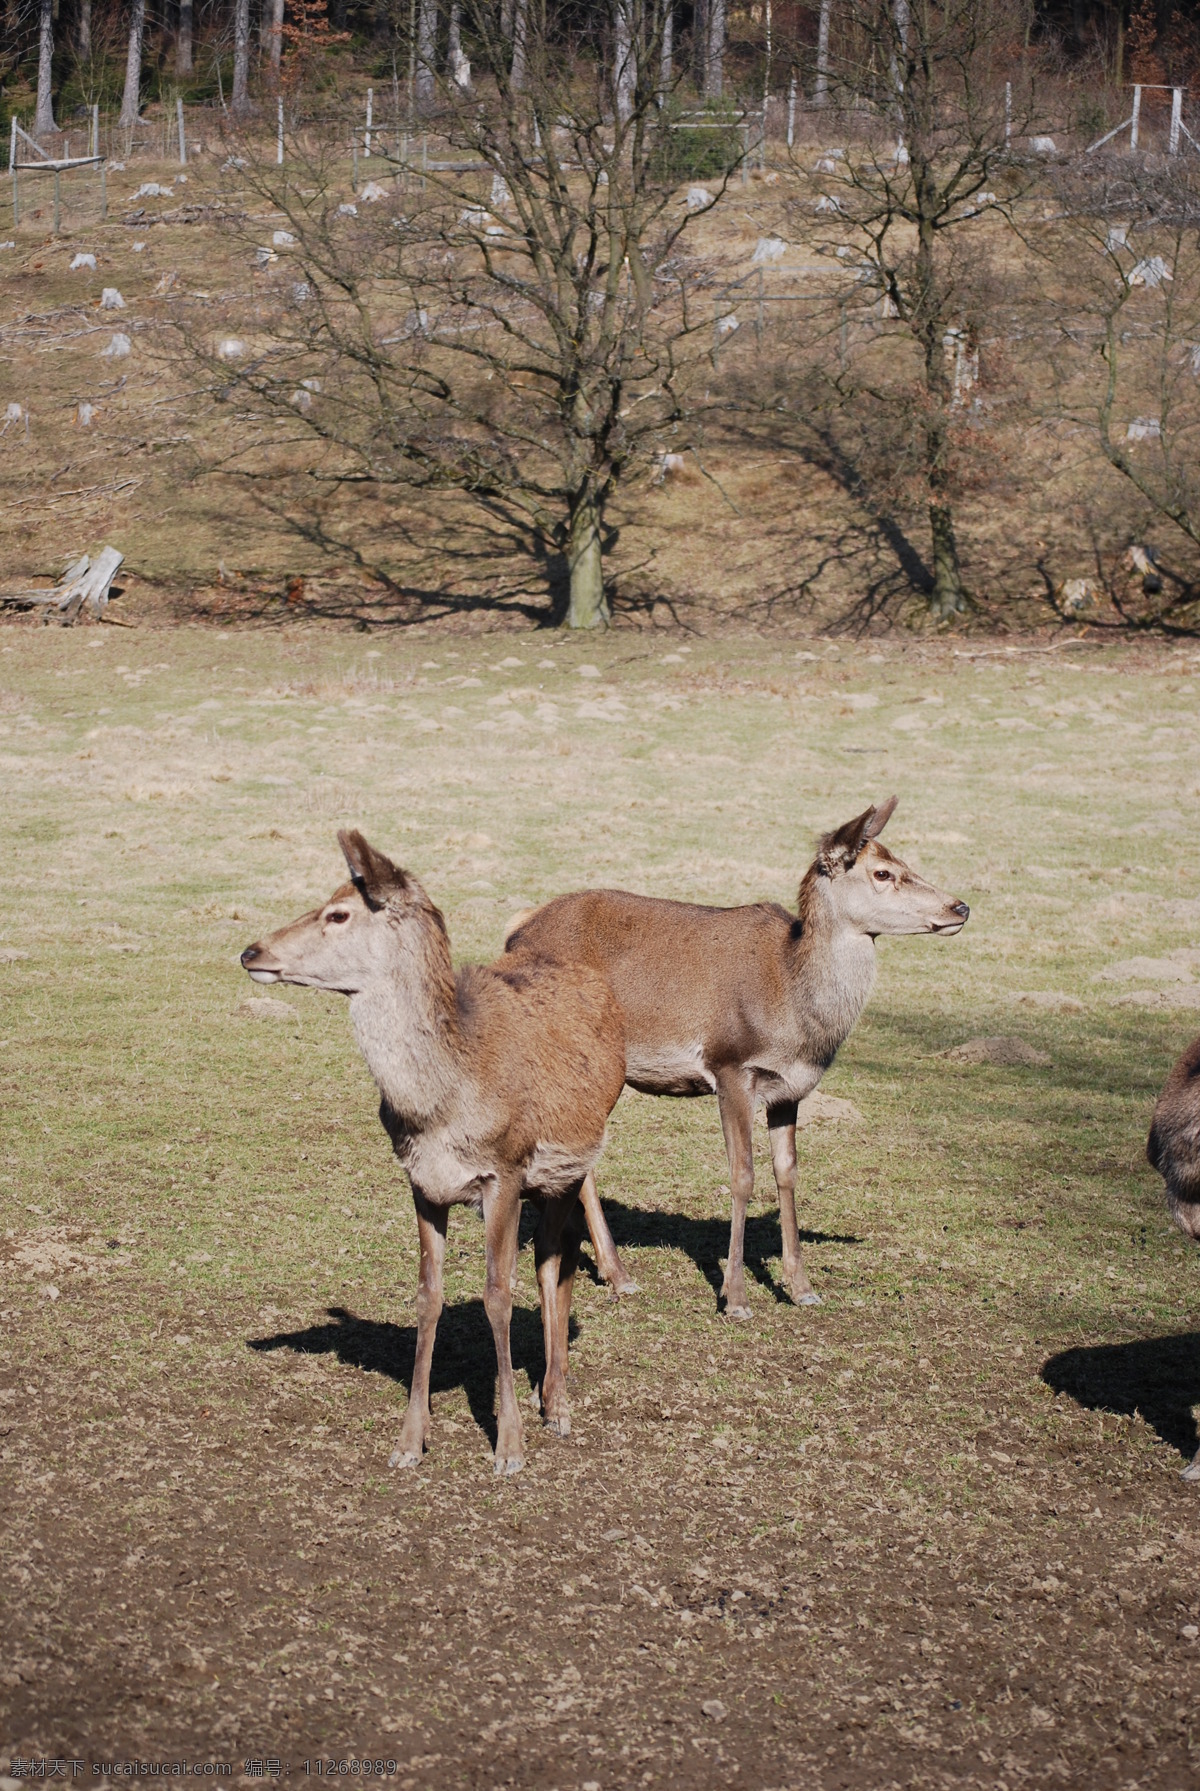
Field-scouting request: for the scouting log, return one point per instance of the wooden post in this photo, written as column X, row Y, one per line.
column 1007, row 113
column 57, row 201
column 96, row 130
column 791, row 130
column 1133, row 122
column 182, row 142
column 758, row 322
column 1176, row 120
column 370, row 120
column 279, row 136
column 12, row 168
column 103, row 192
column 354, row 172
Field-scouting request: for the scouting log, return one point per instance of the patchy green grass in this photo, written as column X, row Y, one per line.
column 928, row 1533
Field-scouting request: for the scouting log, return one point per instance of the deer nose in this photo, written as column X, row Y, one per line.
column 959, row 908
column 251, row 955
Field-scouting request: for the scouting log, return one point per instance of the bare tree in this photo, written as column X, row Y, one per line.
column 131, row 102
column 821, row 84
column 515, row 329
column 83, row 31
column 916, row 217
column 426, row 75
column 1121, row 256
column 183, row 40
column 240, row 98
column 43, row 118
column 714, row 57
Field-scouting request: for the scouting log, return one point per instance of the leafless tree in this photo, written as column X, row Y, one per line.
column 131, row 102
column 915, row 211
column 43, row 118
column 514, row 326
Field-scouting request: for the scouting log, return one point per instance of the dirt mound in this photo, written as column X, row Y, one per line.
column 1007, row 1051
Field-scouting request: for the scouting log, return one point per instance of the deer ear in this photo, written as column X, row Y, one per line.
column 372, row 872
column 839, row 849
column 879, row 819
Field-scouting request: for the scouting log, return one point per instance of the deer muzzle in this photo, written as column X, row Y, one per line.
column 960, row 914
column 260, row 972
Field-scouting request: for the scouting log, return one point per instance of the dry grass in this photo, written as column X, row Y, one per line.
column 928, row 1534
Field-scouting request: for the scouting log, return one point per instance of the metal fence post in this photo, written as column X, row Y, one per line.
column 57, row 202
column 279, row 136
column 103, row 192
column 1133, row 123
column 791, row 128
column 1176, row 120
column 182, row 142
column 95, row 130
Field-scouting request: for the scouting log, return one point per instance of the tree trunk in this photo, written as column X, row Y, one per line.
column 588, row 605
column 460, row 68
column 43, row 118
column 426, row 54
column 665, row 69
column 131, row 101
column 239, row 100
column 821, row 85
column 83, row 31
column 714, row 72
column 518, row 74
column 624, row 59
column 276, row 36
column 183, row 43
column 948, row 597
column 700, row 44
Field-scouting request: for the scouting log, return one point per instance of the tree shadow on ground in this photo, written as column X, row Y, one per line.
column 1157, row 1379
column 464, row 1355
column 706, row 1242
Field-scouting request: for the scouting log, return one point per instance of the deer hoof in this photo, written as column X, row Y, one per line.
column 559, row 1425
column 1192, row 1471
column 403, row 1458
column 509, row 1464
column 623, row 1287
column 742, row 1312
column 806, row 1299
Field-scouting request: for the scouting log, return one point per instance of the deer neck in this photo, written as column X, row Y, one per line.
column 406, row 1023
column 833, row 969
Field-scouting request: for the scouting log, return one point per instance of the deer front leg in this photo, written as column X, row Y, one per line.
column 501, row 1217
column 735, row 1098
column 556, row 1245
column 1192, row 1471
column 781, row 1123
column 415, row 1430
column 611, row 1268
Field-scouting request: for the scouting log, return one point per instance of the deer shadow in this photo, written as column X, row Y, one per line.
column 1157, row 1379
column 706, row 1241
column 464, row 1355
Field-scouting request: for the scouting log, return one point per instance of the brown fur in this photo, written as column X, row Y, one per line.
column 495, row 1086
column 751, row 1003
column 1173, row 1148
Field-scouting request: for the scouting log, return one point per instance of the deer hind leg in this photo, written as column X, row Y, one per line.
column 735, row 1098
column 1192, row 1471
column 611, row 1268
column 414, row 1432
column 557, row 1246
column 501, row 1217
column 781, row 1123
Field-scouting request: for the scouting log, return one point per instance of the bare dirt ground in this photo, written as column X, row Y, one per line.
column 928, row 1534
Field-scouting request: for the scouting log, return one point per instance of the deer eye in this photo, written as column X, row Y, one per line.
column 338, row 915
column 883, row 876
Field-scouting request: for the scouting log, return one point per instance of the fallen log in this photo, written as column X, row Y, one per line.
column 85, row 585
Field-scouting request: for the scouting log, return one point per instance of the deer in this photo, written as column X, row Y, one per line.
column 751, row 1004
column 496, row 1083
column 1173, row 1148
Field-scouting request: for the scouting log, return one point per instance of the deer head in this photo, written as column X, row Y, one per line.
column 871, row 890
column 352, row 941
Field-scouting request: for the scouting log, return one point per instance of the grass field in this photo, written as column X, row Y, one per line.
column 930, row 1533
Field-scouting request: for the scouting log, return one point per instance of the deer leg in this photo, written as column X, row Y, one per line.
column 1192, row 1471
column 781, row 1123
column 501, row 1217
column 735, row 1098
column 431, row 1232
column 557, row 1247
column 611, row 1268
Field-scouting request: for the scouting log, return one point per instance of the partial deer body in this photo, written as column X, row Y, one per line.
column 750, row 1004
column 496, row 1085
column 1173, row 1148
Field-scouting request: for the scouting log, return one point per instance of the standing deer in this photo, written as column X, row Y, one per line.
column 496, row 1084
column 749, row 1003
column 1173, row 1148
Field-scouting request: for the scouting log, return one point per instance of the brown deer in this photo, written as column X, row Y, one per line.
column 1173, row 1148
column 496, row 1084
column 750, row 1004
